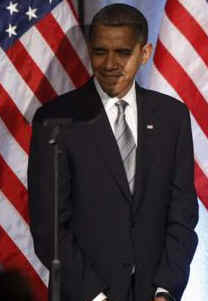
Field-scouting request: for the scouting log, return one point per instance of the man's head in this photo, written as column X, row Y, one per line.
column 118, row 47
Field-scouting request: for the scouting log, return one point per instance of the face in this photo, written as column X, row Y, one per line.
column 116, row 55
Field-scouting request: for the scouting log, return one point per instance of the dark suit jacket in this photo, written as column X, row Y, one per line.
column 104, row 230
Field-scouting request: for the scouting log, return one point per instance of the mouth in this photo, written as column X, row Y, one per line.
column 110, row 75
column 110, row 78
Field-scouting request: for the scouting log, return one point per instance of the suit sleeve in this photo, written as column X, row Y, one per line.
column 181, row 240
column 79, row 281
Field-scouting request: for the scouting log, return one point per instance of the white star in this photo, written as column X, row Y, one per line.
column 11, row 30
column 12, row 8
column 31, row 13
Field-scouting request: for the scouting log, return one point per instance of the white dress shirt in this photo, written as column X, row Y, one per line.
column 112, row 111
column 131, row 119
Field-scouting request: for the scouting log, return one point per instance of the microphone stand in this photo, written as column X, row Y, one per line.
column 56, row 125
column 55, row 276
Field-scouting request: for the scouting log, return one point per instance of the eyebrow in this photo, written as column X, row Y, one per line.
column 116, row 49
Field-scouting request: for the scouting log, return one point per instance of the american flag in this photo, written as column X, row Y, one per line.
column 181, row 70
column 42, row 54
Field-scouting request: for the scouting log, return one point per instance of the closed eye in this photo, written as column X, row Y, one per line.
column 124, row 52
column 99, row 51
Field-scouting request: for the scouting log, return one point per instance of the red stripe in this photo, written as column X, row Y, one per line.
column 13, row 258
column 14, row 120
column 13, row 189
column 189, row 27
column 30, row 72
column 73, row 10
column 61, row 46
column 201, row 183
column 183, row 84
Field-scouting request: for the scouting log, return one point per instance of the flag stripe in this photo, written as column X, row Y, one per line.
column 30, row 72
column 200, row 146
column 19, row 232
column 199, row 138
column 181, row 70
column 45, row 58
column 13, row 258
column 14, row 120
column 13, row 154
column 198, row 12
column 17, row 89
column 201, row 183
column 72, row 9
column 63, row 49
column 197, row 70
column 175, row 75
column 189, row 27
column 14, row 190
column 62, row 13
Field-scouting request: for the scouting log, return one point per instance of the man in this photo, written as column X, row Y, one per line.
column 128, row 204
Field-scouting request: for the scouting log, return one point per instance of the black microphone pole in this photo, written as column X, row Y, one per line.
column 56, row 126
column 55, row 277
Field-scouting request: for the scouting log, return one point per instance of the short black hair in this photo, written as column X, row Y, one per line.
column 121, row 15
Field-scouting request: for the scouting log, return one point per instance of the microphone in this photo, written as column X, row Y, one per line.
column 56, row 124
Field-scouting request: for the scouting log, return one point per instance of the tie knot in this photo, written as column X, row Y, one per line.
column 121, row 105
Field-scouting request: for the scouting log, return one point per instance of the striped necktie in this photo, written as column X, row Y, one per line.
column 126, row 143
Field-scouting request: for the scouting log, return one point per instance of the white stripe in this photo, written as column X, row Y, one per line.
column 16, row 228
column 66, row 20
column 198, row 9
column 200, row 146
column 13, row 154
column 159, row 83
column 46, row 60
column 197, row 285
column 181, row 49
column 17, row 89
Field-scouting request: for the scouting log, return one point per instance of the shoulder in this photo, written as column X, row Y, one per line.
column 166, row 104
column 67, row 105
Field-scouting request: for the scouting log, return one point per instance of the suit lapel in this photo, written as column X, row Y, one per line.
column 107, row 146
column 138, row 184
column 146, row 109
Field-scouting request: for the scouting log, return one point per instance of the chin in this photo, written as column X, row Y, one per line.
column 112, row 93
column 111, row 90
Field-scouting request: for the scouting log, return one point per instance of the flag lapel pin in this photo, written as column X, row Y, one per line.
column 150, row 126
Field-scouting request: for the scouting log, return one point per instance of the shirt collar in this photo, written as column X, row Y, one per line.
column 109, row 101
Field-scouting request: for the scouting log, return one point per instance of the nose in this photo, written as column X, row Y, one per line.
column 110, row 62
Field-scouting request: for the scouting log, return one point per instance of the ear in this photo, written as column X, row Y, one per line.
column 146, row 52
